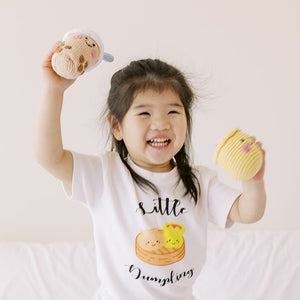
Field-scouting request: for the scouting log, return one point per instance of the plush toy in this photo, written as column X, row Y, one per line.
column 238, row 155
column 80, row 50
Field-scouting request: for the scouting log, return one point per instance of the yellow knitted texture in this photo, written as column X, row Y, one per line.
column 232, row 158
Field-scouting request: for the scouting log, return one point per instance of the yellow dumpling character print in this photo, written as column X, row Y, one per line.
column 173, row 234
column 161, row 247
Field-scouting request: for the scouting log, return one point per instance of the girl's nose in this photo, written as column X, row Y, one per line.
column 160, row 123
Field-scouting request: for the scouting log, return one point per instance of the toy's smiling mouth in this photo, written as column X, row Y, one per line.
column 89, row 44
column 158, row 143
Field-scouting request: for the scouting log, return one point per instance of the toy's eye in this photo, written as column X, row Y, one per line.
column 242, row 140
column 94, row 45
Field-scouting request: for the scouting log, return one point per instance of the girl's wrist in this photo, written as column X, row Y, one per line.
column 55, row 90
column 253, row 183
column 53, row 93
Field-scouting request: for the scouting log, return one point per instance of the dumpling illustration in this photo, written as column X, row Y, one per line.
column 152, row 247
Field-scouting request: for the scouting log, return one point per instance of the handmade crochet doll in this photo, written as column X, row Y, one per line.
column 80, row 50
column 238, row 155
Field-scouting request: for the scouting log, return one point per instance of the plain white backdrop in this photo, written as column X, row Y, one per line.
column 242, row 58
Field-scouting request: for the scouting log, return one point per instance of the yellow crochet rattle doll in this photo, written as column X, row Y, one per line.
column 238, row 155
column 80, row 50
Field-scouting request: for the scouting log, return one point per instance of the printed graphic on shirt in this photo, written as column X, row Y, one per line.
column 161, row 247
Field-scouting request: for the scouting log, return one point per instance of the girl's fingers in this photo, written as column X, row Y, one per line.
column 56, row 46
column 258, row 143
column 48, row 58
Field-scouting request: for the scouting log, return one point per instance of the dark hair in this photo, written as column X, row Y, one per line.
column 157, row 75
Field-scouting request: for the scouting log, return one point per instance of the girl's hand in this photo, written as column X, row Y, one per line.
column 250, row 205
column 260, row 174
column 52, row 79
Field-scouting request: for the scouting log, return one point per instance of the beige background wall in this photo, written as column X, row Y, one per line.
column 243, row 54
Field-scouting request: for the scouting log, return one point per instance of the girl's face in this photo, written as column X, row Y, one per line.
column 153, row 129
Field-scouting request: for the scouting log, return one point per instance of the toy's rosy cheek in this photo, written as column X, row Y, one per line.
column 246, row 148
column 93, row 53
column 78, row 36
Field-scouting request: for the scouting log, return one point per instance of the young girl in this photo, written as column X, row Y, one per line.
column 150, row 207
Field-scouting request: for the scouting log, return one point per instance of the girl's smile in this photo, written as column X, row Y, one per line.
column 153, row 129
column 159, row 142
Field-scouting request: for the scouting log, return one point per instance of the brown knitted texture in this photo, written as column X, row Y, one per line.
column 75, row 55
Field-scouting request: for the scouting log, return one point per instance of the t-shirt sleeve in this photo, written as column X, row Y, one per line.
column 86, row 180
column 220, row 198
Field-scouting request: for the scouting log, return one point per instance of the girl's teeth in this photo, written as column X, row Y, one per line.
column 159, row 142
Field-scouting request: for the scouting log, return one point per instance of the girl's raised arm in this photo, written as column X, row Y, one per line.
column 48, row 146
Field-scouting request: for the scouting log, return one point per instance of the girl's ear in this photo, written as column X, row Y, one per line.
column 115, row 127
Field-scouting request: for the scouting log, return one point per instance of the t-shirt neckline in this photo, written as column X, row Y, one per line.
column 153, row 176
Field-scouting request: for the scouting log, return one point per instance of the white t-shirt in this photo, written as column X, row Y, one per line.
column 147, row 246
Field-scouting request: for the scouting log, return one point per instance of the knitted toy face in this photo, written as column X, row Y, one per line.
column 238, row 155
column 75, row 55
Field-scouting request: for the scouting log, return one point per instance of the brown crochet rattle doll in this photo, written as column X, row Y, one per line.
column 80, row 50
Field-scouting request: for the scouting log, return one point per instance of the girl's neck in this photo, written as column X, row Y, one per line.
column 163, row 168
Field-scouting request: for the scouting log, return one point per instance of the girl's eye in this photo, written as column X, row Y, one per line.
column 173, row 112
column 144, row 114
